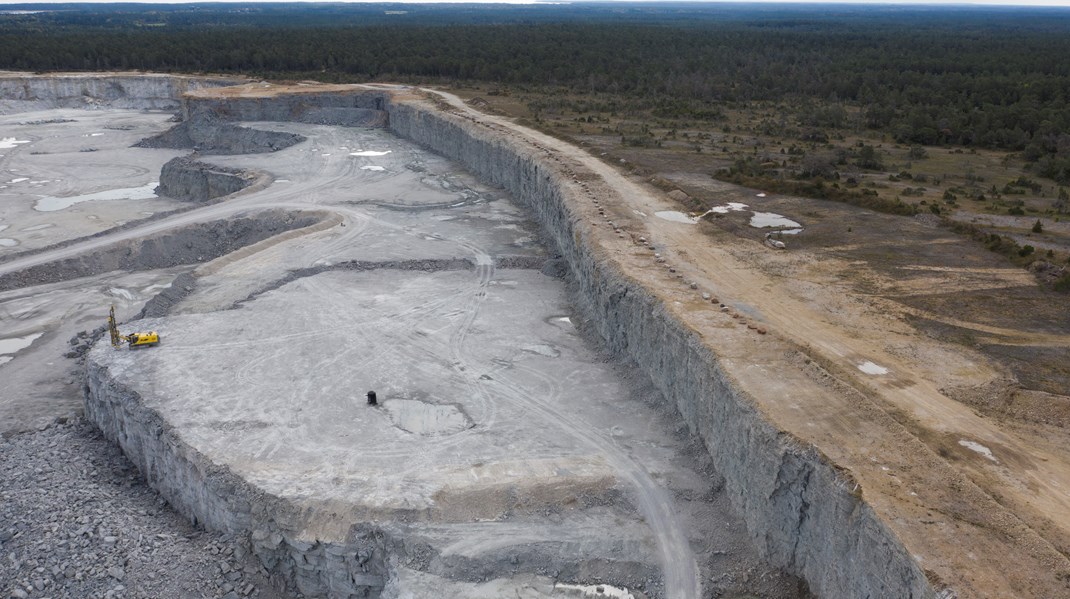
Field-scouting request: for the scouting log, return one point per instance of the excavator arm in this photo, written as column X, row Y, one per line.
column 139, row 339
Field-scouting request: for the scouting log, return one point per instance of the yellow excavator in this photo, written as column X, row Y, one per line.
column 139, row 339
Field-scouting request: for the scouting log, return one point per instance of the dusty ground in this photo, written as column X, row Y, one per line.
column 843, row 296
column 487, row 427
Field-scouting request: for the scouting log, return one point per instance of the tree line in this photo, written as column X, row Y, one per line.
column 984, row 77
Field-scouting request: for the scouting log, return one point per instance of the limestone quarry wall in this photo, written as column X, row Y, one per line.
column 186, row 179
column 25, row 92
column 346, row 110
column 800, row 511
column 190, row 245
column 211, row 495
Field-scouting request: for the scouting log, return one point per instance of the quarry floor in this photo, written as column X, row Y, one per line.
column 503, row 437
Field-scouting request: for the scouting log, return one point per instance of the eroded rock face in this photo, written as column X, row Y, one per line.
column 186, row 179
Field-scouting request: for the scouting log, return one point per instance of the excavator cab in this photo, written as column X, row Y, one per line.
column 139, row 339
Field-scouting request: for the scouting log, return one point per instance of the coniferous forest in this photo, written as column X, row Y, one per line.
column 984, row 77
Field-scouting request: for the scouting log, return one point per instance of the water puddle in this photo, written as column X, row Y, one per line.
column 10, row 142
column 676, row 217
column 369, row 153
column 52, row 203
column 13, row 345
column 981, row 449
column 871, row 368
column 428, row 419
column 372, row 168
column 729, row 207
column 772, row 219
column 595, row 590
column 8, row 243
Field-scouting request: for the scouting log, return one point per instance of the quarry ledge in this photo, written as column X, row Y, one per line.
column 213, row 496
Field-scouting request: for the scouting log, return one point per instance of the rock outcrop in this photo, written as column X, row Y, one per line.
column 184, row 178
column 190, row 245
column 140, row 91
column 206, row 134
column 367, row 109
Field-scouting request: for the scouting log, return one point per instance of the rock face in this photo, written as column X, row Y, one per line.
column 214, row 497
column 800, row 510
column 20, row 93
column 191, row 245
column 208, row 135
column 369, row 109
column 184, row 178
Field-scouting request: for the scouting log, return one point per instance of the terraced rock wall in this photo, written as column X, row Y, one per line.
column 190, row 245
column 346, row 110
column 25, row 92
column 800, row 510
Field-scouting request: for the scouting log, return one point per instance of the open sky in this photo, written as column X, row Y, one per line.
column 855, row 2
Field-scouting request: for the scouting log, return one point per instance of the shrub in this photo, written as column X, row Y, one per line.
column 1062, row 284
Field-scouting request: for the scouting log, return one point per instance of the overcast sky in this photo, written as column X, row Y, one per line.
column 858, row 2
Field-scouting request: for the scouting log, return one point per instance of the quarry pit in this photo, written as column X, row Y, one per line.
column 575, row 398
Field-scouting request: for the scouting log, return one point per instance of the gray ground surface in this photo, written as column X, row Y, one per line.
column 530, row 458
column 77, row 521
column 72, row 153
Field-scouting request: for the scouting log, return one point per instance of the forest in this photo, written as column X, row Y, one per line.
column 995, row 78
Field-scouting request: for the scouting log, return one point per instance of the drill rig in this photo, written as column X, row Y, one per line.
column 139, row 339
